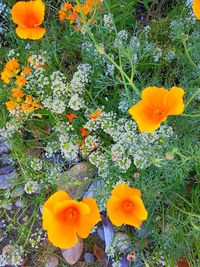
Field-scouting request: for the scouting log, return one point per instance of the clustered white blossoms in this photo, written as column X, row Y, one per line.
column 31, row 187
column 4, row 12
column 14, row 256
column 129, row 145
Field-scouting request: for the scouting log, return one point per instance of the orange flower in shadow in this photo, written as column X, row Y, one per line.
column 28, row 16
column 84, row 132
column 196, row 8
column 11, row 69
column 66, row 219
column 96, row 114
column 125, row 206
column 156, row 105
column 71, row 116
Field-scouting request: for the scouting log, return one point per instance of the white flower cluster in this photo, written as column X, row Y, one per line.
column 31, row 187
column 12, row 256
column 121, row 39
column 36, row 238
column 4, row 12
column 36, row 164
column 157, row 54
column 143, row 148
column 68, row 141
column 108, row 21
column 11, row 127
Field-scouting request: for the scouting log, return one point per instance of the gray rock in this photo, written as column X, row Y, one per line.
column 51, row 260
column 89, row 258
column 19, row 204
column 72, row 255
column 77, row 179
column 7, row 169
column 4, row 149
column 7, row 181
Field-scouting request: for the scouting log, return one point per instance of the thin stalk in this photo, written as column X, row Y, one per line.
column 101, row 51
column 192, row 97
column 187, row 53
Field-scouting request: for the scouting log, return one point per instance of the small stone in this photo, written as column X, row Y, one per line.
column 73, row 180
column 4, row 149
column 121, row 242
column 89, row 258
column 51, row 261
column 8, row 251
column 19, row 204
column 72, row 255
column 7, row 181
column 7, row 169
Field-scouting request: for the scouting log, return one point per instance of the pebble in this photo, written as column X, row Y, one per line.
column 72, row 255
column 7, row 169
column 89, row 258
column 73, row 180
column 7, row 181
column 4, row 149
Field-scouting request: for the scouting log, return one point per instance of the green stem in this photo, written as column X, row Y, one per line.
column 101, row 51
column 187, row 52
column 192, row 97
column 190, row 115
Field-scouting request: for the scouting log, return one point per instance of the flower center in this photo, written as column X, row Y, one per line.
column 71, row 214
column 159, row 114
column 31, row 21
column 128, row 206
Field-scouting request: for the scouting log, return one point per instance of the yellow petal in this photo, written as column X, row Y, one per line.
column 143, row 114
column 30, row 33
column 175, row 104
column 88, row 221
column 59, row 196
column 196, row 8
column 62, row 235
column 139, row 208
column 115, row 211
column 123, row 190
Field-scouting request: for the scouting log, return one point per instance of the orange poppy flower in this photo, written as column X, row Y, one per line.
column 66, row 219
column 196, row 8
column 17, row 93
column 10, row 70
column 71, row 116
column 26, row 71
column 12, row 65
column 125, row 206
column 155, row 106
column 84, row 132
column 20, row 81
column 10, row 105
column 28, row 16
column 96, row 114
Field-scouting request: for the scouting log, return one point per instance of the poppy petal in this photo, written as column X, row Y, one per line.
column 27, row 14
column 143, row 115
column 196, row 8
column 61, row 206
column 133, row 220
column 154, row 97
column 47, row 218
column 59, row 196
column 30, row 33
column 115, row 212
column 139, row 208
column 62, row 235
column 88, row 221
column 122, row 190
column 175, row 104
